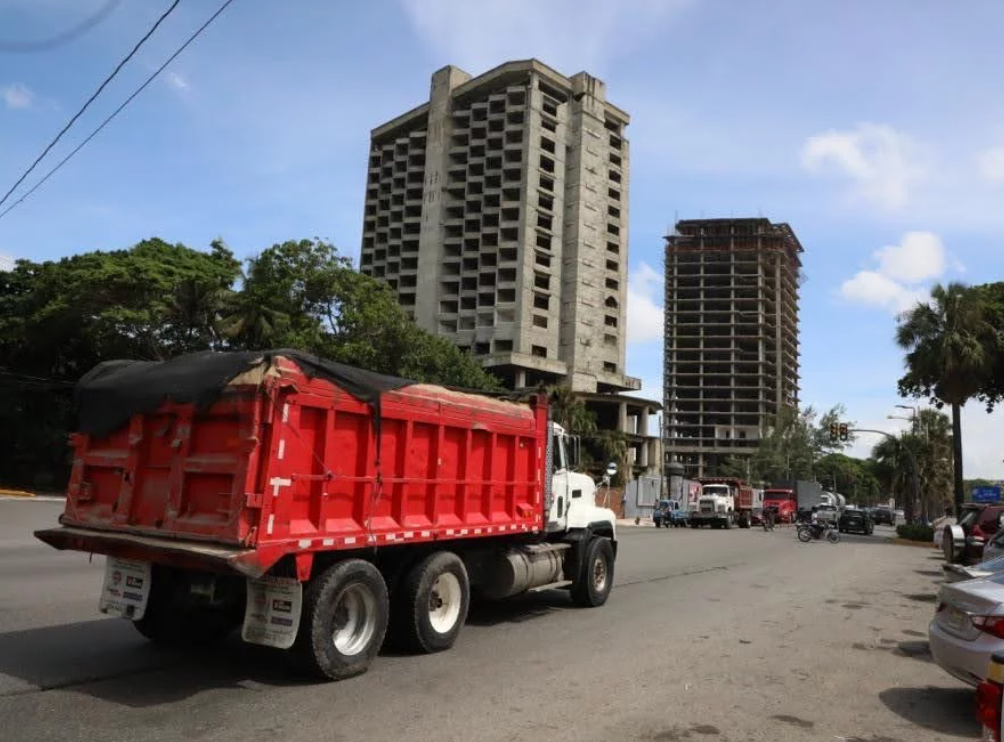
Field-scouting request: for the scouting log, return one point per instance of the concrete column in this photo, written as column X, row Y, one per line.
column 622, row 417
column 643, row 422
column 520, row 378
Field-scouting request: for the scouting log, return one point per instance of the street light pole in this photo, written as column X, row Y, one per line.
column 913, row 466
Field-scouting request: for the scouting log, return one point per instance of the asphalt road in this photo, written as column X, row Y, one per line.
column 708, row 636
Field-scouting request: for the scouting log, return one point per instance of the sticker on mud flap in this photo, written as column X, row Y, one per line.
column 126, row 588
column 273, row 612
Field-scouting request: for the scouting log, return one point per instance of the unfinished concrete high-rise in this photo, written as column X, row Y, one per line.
column 497, row 211
column 731, row 337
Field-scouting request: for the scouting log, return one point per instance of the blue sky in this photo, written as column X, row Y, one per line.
column 876, row 129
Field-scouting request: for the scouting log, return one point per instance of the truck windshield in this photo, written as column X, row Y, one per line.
column 716, row 490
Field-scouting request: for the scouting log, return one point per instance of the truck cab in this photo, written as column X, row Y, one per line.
column 572, row 497
column 715, row 506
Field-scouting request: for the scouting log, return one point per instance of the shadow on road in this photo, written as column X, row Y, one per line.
column 107, row 659
column 518, row 610
column 949, row 711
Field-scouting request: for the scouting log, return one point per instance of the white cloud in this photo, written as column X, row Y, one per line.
column 479, row 35
column 991, row 164
column 982, row 450
column 176, row 81
column 918, row 257
column 644, row 295
column 6, row 263
column 17, row 95
column 883, row 164
column 874, row 289
column 898, row 282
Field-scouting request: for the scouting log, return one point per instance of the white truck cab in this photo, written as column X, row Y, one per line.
column 716, row 506
column 573, row 495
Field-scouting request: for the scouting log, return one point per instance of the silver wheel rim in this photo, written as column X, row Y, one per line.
column 355, row 619
column 445, row 600
column 600, row 574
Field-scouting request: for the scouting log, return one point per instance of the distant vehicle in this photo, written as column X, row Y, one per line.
column 900, row 515
column 782, row 502
column 828, row 514
column 723, row 503
column 808, row 531
column 856, row 521
column 968, row 627
column 883, row 516
column 669, row 513
column 964, row 542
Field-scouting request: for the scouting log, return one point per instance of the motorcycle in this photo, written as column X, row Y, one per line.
column 809, row 531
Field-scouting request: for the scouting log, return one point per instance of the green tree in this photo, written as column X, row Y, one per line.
column 950, row 349
column 303, row 294
column 570, row 412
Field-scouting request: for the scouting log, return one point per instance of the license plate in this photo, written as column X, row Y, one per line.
column 954, row 619
column 126, row 589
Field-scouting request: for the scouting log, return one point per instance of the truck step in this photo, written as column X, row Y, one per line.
column 547, row 547
column 552, row 586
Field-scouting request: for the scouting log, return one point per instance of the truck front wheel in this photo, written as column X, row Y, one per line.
column 344, row 619
column 435, row 598
column 596, row 574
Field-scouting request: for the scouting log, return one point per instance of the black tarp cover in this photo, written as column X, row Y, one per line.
column 112, row 392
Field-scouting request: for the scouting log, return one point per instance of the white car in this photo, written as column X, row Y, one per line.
column 968, row 627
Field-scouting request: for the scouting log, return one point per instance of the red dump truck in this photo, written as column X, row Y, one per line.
column 319, row 507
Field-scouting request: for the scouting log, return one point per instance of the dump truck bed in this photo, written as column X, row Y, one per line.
column 291, row 455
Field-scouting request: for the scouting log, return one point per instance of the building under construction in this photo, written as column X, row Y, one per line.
column 731, row 326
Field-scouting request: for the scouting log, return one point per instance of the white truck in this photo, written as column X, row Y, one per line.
column 723, row 502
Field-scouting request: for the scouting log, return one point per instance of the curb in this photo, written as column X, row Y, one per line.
column 907, row 542
column 16, row 493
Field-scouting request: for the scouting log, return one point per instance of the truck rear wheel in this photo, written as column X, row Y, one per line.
column 596, row 574
column 435, row 598
column 344, row 619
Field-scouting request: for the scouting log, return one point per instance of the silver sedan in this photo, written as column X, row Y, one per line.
column 968, row 627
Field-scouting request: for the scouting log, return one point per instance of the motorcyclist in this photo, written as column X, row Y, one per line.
column 768, row 519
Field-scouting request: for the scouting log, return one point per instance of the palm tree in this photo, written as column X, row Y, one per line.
column 950, row 349
column 570, row 412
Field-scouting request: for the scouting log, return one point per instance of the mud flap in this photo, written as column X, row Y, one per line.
column 126, row 589
column 273, row 611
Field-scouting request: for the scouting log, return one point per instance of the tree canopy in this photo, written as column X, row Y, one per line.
column 792, row 446
column 157, row 300
column 953, row 351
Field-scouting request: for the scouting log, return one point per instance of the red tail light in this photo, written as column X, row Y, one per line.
column 978, row 532
column 993, row 625
column 989, row 697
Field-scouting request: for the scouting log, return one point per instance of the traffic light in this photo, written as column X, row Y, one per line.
column 844, row 433
column 834, row 432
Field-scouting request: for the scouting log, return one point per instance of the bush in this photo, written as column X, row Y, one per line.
column 915, row 532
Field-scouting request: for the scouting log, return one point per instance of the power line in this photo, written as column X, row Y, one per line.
column 37, row 45
column 90, row 100
column 118, row 110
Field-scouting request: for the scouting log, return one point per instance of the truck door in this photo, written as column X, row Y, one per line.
column 558, row 514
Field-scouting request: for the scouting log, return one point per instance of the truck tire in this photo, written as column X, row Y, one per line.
column 433, row 603
column 171, row 619
column 343, row 621
column 596, row 574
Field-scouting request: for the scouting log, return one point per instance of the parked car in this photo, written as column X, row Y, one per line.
column 994, row 547
column 964, row 542
column 856, row 521
column 669, row 513
column 968, row 627
column 884, row 516
column 960, row 572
